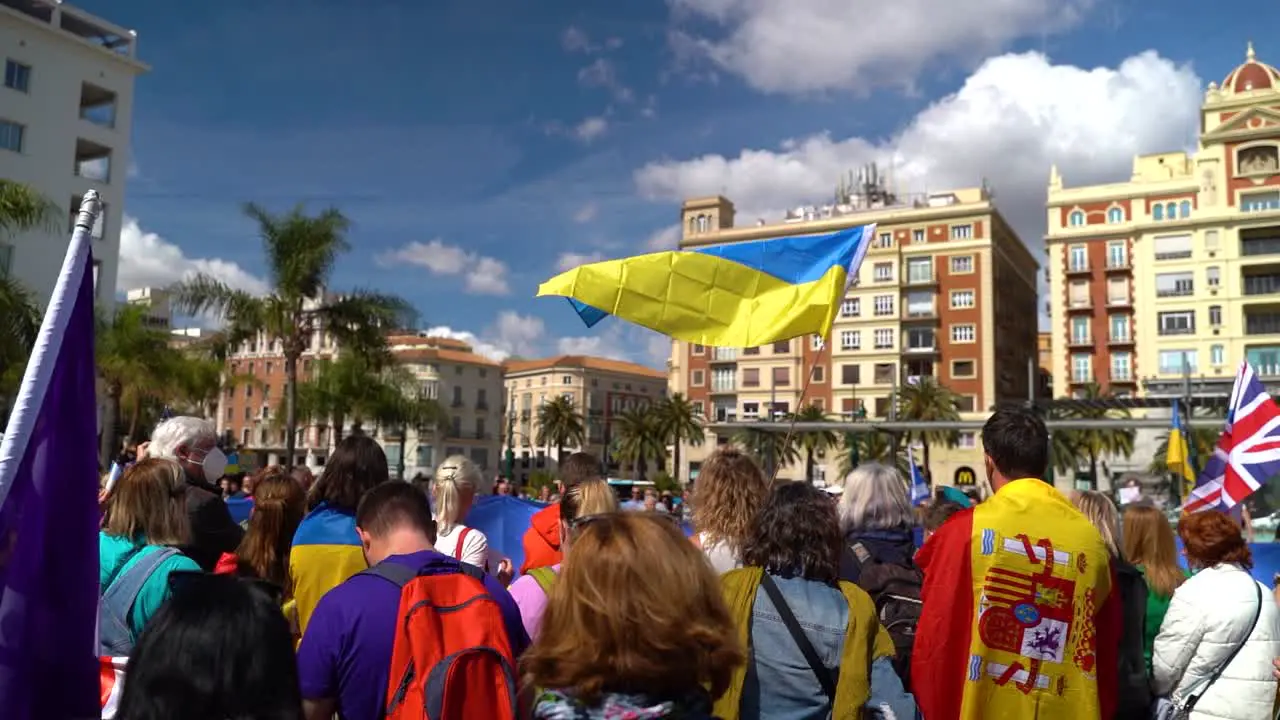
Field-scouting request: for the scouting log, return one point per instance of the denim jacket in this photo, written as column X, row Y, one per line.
column 780, row 685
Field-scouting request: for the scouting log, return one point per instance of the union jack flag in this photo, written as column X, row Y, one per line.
column 1248, row 451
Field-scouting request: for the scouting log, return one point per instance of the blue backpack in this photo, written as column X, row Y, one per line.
column 115, row 637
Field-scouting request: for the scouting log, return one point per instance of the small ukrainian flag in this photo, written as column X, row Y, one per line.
column 742, row 294
column 1178, row 455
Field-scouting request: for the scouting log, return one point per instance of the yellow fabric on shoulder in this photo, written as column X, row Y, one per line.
column 317, row 569
column 865, row 640
column 1033, row 644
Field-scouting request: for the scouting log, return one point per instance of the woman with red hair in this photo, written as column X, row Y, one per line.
column 1212, row 656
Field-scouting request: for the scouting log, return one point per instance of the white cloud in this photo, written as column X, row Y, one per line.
column 148, row 260
column 668, row 238
column 1013, row 118
column 590, row 345
column 591, row 129
column 569, row 261
column 586, row 213
column 510, row 334
column 483, row 275
column 576, row 40
column 803, row 46
column 603, row 74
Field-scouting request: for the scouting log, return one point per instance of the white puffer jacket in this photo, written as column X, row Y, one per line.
column 1208, row 616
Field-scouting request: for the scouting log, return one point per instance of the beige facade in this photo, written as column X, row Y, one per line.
column 1176, row 271
column 600, row 388
column 942, row 293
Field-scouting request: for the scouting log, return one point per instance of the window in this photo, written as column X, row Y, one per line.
column 1184, row 209
column 1081, row 368
column 566, row 380
column 751, row 410
column 457, row 396
column 750, row 377
column 1215, row 315
column 722, row 379
column 1119, row 328
column 884, row 240
column 16, row 75
column 961, row 264
column 920, row 270
column 1115, row 215
column 966, row 403
column 1078, row 259
column 882, row 272
column 1179, row 322
column 963, row 333
column 1255, row 202
column 11, row 135
column 920, row 303
column 850, row 339
column 699, row 349
column 1121, row 367
column 697, row 379
column 1075, row 218
column 961, row 299
column 884, row 373
column 1170, row 211
column 1157, row 212
column 1117, row 254
column 781, row 377
column 1211, row 240
column 961, row 232
column 1080, row 331
column 1173, row 362
column 851, row 307
column 884, row 339
column 1217, row 356
column 883, row 305
column 782, row 347
column 751, row 351
column 963, row 368
column 967, row 440
column 1212, row 276
column 819, row 374
column 1117, row 291
column 920, row 339
column 1175, row 284
column 1078, row 293
column 850, row 374
column 1173, row 247
column 917, row 236
column 815, row 342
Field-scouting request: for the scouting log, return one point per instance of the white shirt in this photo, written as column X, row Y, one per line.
column 475, row 548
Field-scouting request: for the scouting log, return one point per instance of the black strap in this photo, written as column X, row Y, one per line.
column 1190, row 704
column 827, row 682
column 400, row 575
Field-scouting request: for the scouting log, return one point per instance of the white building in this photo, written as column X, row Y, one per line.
column 66, row 108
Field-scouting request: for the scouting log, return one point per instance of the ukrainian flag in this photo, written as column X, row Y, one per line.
column 736, row 295
column 326, row 551
column 1178, row 455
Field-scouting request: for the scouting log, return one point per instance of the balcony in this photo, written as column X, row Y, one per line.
column 1262, row 323
column 1260, row 202
column 1120, row 339
column 1262, row 284
column 92, row 161
column 1181, row 291
column 1082, row 378
column 1080, row 341
column 1119, row 265
column 921, row 313
column 1080, row 305
column 1255, row 242
column 1122, row 377
column 1078, row 269
column 1119, row 302
column 482, row 405
column 97, row 105
column 919, row 280
column 722, row 388
column 724, row 354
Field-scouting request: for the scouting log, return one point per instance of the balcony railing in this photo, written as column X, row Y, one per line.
column 1079, row 341
column 1078, row 268
column 1121, row 375
column 1260, row 246
column 1120, row 339
column 1268, row 324
column 919, row 313
column 1173, row 255
column 1176, row 292
column 724, row 354
column 1118, row 264
column 1119, row 302
column 1261, row 284
column 1078, row 304
column 723, row 387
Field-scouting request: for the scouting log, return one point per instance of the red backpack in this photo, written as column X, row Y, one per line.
column 452, row 659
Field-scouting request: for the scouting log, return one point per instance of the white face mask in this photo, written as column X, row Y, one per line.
column 214, row 464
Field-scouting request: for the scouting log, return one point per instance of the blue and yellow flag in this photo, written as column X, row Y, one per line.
column 1178, row 456
column 741, row 294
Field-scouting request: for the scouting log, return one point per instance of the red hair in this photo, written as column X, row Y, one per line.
column 1211, row 538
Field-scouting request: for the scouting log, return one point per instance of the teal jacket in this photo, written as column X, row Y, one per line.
column 112, row 554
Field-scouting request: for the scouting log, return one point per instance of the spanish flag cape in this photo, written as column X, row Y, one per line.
column 1019, row 618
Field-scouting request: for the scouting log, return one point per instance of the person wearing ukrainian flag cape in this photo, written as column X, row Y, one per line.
column 1019, row 618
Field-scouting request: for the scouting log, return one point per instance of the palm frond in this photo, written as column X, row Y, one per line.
column 22, row 208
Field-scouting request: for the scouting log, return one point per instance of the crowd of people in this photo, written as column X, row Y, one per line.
column 359, row 597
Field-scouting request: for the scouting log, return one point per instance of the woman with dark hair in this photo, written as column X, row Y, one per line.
column 815, row 641
column 219, row 649
column 326, row 549
column 1212, row 657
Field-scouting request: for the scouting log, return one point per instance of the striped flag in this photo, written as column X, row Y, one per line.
column 1248, row 451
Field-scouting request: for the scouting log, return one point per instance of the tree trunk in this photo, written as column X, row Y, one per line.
column 290, row 407
column 808, row 465
column 135, row 416
column 107, row 444
column 1093, row 469
column 404, row 431
column 559, row 455
column 928, row 470
column 675, row 460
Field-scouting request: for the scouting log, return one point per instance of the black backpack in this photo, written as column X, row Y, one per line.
column 895, row 589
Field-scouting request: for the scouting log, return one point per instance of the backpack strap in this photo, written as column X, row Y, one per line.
column 788, row 618
column 122, row 592
column 457, row 549
column 545, row 577
column 400, row 575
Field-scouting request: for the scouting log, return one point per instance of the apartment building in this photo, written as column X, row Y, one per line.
column 943, row 292
column 1203, row 231
column 66, row 110
column 468, row 386
column 600, row 388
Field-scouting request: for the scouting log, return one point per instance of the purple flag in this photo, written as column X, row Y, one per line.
column 49, row 510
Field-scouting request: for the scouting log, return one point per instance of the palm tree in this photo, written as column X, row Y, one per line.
column 926, row 400
column 679, row 423
column 814, row 441
column 870, row 446
column 1063, row 449
column 136, row 363
column 773, row 450
column 346, row 388
column 1202, row 441
column 401, row 405
column 639, row 435
column 21, row 209
column 301, row 252
column 560, row 424
column 1094, row 443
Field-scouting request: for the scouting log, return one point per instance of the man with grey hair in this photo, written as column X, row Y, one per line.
column 192, row 443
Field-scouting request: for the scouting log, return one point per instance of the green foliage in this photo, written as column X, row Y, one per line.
column 539, row 479
column 663, row 482
column 560, row 425
column 1069, row 447
column 927, row 400
column 639, row 437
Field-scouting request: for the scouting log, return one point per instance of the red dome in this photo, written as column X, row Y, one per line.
column 1252, row 75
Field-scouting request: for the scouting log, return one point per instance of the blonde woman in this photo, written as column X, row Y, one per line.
column 581, row 502
column 730, row 489
column 1134, row 689
column 146, row 521
column 453, row 490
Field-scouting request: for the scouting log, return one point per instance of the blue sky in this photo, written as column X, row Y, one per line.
column 474, row 144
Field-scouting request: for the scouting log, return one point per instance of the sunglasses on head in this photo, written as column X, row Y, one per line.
column 184, row 581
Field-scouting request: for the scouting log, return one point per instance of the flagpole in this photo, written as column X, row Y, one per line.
column 35, row 381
